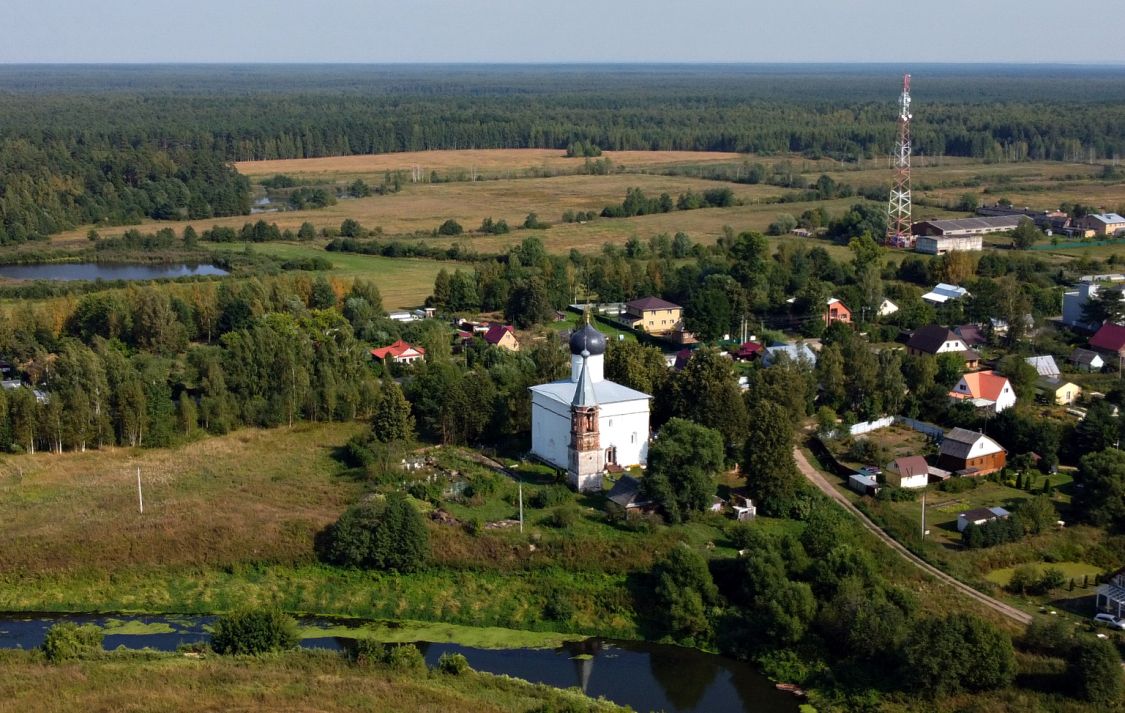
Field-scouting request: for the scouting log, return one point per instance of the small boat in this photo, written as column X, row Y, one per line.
column 790, row 688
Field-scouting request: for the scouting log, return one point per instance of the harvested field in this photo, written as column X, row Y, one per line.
column 485, row 161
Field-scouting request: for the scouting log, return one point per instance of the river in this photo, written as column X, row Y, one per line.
column 68, row 271
column 644, row 676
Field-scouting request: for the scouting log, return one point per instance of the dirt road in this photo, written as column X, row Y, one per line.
column 817, row 478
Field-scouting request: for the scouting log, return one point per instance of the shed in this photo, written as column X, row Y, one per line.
column 864, row 484
column 626, row 494
column 980, row 516
column 909, row 472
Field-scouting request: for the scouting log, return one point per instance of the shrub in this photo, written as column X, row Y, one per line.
column 1094, row 670
column 453, row 664
column 561, row 517
column 67, row 640
column 450, row 227
column 254, row 631
column 550, row 497
column 401, row 657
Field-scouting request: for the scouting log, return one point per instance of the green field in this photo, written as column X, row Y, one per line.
column 403, row 282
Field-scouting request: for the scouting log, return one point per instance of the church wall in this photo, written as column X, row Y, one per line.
column 550, row 430
column 625, row 425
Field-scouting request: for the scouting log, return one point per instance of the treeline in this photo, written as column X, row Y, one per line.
column 147, row 366
column 637, row 203
column 114, row 147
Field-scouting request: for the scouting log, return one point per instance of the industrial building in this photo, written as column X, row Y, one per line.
column 964, row 227
column 942, row 244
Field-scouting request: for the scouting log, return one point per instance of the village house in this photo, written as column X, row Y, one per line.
column 1074, row 301
column 985, row 389
column 1109, row 340
column 837, row 311
column 967, row 452
column 502, row 336
column 1045, row 366
column 794, row 352
column 653, row 315
column 908, row 472
column 1087, row 360
column 943, row 293
column 980, row 516
column 743, row 507
column 971, row 334
column 934, row 339
column 886, row 308
column 1057, row 391
column 749, row 351
column 399, row 353
column 1103, row 224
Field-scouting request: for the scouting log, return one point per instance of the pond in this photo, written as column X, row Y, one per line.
column 105, row 271
column 641, row 675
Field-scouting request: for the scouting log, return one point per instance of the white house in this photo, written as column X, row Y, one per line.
column 985, row 389
column 909, row 472
column 1074, row 301
column 623, row 413
column 887, row 308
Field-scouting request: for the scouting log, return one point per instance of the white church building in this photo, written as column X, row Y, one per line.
column 584, row 424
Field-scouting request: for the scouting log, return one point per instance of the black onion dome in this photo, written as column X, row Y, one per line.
column 587, row 339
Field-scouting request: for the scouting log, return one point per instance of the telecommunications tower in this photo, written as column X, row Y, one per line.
column 898, row 208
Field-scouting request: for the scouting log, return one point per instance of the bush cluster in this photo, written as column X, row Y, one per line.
column 66, row 641
column 254, row 631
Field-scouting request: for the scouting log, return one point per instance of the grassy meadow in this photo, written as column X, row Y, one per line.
column 296, row 681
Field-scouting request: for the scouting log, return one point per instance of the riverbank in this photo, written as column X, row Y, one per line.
column 297, row 681
column 470, row 599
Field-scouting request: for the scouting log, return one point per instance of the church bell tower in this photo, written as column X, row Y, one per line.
column 584, row 471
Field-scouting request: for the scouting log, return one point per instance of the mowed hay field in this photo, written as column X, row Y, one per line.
column 250, row 496
column 484, row 161
column 423, row 207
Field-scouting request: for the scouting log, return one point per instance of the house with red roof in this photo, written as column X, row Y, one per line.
column 985, row 389
column 749, row 351
column 654, row 315
column 399, row 353
column 1109, row 340
column 503, row 336
column 837, row 311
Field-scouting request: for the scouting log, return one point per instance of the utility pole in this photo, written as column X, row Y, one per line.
column 923, row 514
column 521, row 502
column 140, row 495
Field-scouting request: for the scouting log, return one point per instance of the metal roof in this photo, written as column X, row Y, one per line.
column 605, row 392
column 992, row 222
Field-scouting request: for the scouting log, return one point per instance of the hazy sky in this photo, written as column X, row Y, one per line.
column 573, row 31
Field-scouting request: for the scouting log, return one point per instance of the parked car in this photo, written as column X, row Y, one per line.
column 1109, row 620
column 871, row 470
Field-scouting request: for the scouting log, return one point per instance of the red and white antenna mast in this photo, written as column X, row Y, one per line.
column 898, row 208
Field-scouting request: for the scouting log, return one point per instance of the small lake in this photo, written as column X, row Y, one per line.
column 105, row 271
column 646, row 677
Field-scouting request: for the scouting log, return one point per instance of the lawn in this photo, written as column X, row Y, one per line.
column 403, row 282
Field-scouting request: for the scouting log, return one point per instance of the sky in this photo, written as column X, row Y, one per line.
column 513, row 31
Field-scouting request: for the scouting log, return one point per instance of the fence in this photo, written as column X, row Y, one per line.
column 1076, row 244
column 935, row 432
column 869, row 426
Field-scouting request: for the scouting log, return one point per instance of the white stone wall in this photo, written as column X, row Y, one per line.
column 550, row 430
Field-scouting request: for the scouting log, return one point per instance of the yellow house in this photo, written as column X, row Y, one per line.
column 654, row 315
column 1060, row 393
column 1103, row 224
column 503, row 336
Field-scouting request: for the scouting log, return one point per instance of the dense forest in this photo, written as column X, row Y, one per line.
column 115, row 145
